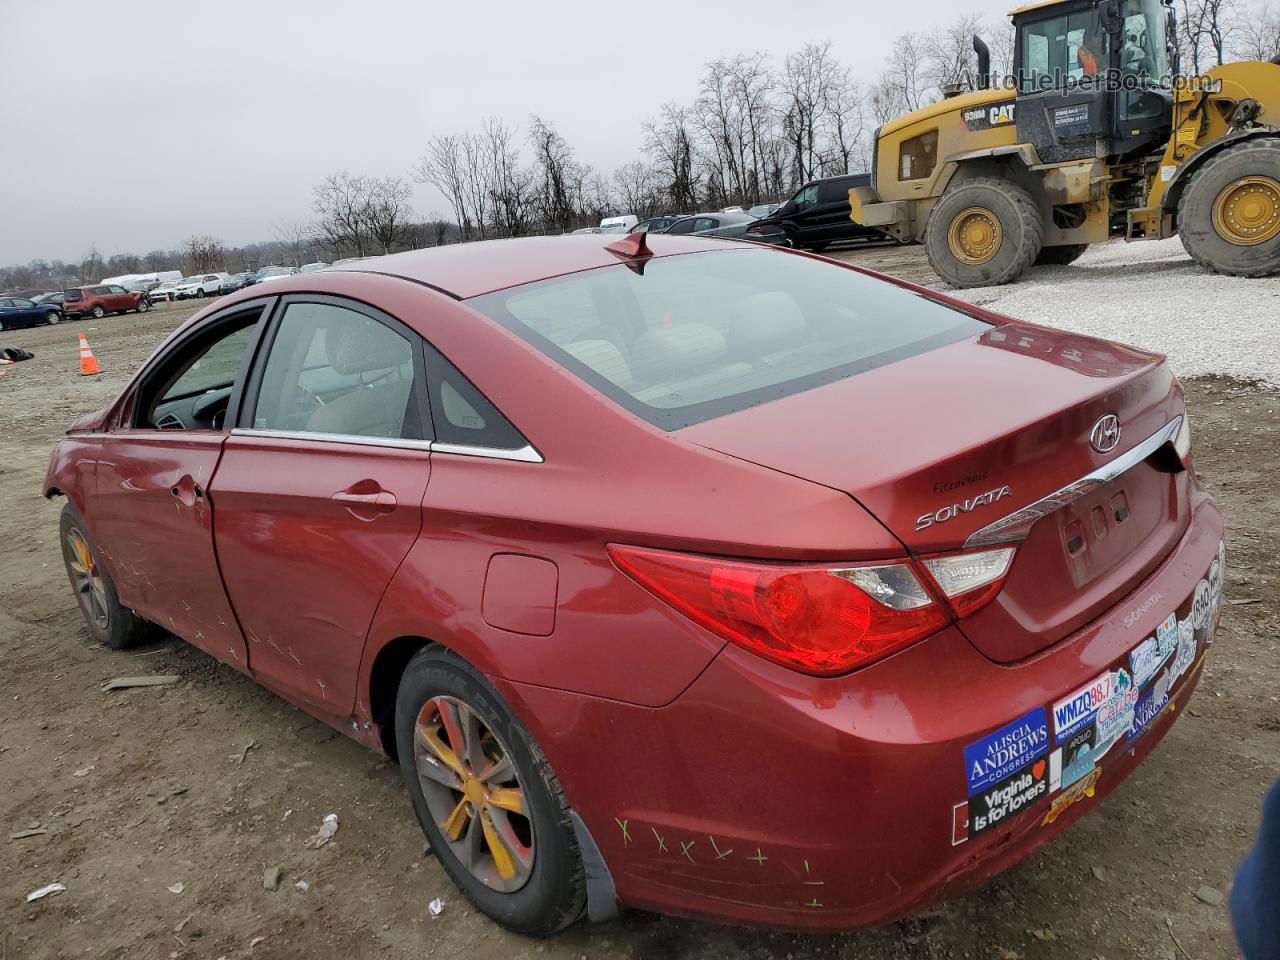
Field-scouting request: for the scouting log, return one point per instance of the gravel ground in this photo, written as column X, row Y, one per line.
column 1153, row 295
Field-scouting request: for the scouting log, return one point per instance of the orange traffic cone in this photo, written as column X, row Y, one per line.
column 88, row 362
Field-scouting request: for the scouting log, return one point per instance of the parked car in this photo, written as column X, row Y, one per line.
column 623, row 224
column 200, row 285
column 52, row 298
column 101, row 299
column 20, row 312
column 728, row 225
column 707, row 602
column 656, row 224
column 237, row 281
column 817, row 216
column 166, row 290
column 763, row 209
column 275, row 273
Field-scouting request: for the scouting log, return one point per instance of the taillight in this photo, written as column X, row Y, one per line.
column 971, row 580
column 817, row 619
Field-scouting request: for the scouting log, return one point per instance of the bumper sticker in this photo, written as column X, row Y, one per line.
column 1011, row 768
column 1009, row 797
column 999, row 755
column 1150, row 705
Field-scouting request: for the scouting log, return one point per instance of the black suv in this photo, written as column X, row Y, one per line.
column 818, row 215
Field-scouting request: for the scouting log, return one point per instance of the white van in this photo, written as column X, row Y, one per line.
column 619, row 224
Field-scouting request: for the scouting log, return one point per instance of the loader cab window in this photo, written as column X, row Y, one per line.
column 918, row 157
column 1062, row 50
column 1144, row 56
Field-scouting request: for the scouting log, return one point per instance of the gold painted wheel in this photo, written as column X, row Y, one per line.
column 975, row 236
column 474, row 793
column 91, row 591
column 1247, row 212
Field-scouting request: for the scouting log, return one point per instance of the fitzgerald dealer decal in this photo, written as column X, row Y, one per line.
column 1012, row 768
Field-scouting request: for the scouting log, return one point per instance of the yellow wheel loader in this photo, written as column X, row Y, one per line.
column 1095, row 135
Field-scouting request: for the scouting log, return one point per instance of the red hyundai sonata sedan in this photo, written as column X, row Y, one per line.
column 686, row 574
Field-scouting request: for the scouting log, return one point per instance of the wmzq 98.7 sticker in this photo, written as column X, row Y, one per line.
column 1006, row 772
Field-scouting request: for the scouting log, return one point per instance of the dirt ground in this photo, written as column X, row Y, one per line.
column 161, row 808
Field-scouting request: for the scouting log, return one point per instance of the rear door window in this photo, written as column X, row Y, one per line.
column 701, row 335
column 335, row 370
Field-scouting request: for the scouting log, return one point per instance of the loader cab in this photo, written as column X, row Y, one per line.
column 1094, row 78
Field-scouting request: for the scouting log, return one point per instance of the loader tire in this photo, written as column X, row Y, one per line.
column 1061, row 256
column 983, row 233
column 1229, row 215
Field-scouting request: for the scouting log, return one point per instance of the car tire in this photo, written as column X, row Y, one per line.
column 52, row 317
column 109, row 623
column 201, row 294
column 547, row 891
column 97, row 312
column 983, row 232
column 143, row 305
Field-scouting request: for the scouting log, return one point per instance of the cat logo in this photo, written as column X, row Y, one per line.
column 984, row 118
column 1002, row 114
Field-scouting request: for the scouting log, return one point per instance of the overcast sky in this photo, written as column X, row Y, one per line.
column 131, row 125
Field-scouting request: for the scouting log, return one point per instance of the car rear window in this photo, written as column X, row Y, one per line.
column 684, row 339
column 73, row 294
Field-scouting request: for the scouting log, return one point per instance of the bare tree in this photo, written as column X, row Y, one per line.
column 1257, row 33
column 806, row 77
column 1204, row 31
column 555, row 172
column 669, row 141
column 843, row 124
column 636, row 189
column 202, row 254
column 949, row 54
column 443, row 166
column 296, row 238
column 92, row 267
column 386, row 211
column 510, row 187
column 341, row 200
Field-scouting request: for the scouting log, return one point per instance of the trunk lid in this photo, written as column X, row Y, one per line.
column 943, row 444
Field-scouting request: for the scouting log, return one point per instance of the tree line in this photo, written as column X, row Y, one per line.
column 756, row 128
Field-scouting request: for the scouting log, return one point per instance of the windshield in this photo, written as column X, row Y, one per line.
column 704, row 334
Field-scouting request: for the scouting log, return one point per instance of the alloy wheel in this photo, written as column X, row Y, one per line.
column 474, row 793
column 91, row 590
column 53, row 318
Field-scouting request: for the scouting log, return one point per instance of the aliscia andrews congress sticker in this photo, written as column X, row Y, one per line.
column 1001, row 754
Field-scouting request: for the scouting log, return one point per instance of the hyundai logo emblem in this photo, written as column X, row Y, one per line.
column 1105, row 434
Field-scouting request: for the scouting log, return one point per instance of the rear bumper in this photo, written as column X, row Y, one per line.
column 762, row 796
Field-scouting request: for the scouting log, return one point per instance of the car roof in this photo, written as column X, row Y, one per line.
column 466, row 270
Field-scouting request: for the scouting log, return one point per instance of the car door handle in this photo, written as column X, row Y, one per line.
column 366, row 499
column 187, row 491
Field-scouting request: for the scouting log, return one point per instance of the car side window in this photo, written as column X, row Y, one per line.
column 705, row 223
column 461, row 414
column 833, row 191
column 335, row 370
column 114, row 289
column 191, row 387
column 806, row 198
column 682, row 226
